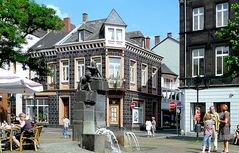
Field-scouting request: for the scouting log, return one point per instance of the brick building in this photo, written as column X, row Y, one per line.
column 131, row 69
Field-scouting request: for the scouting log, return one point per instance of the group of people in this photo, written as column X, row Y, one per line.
column 215, row 124
column 151, row 127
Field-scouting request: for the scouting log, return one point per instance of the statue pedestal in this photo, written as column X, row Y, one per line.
column 83, row 120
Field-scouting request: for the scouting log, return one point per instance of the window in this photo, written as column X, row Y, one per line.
column 114, row 64
column 132, row 71
column 198, row 62
column 65, row 71
column 98, row 63
column 169, row 83
column 119, row 34
column 221, row 15
column 80, row 69
column 137, row 112
column 221, row 53
column 154, row 78
column 81, row 35
column 144, row 74
column 198, row 18
column 111, row 33
column 37, row 109
column 52, row 73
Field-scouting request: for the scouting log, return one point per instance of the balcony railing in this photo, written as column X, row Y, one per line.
column 116, row 83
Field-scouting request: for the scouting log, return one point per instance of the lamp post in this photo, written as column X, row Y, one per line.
column 198, row 83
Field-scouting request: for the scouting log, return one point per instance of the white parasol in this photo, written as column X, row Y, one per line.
column 12, row 83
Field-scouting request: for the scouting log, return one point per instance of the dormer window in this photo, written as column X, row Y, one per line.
column 115, row 36
column 81, row 35
column 111, row 34
column 119, row 34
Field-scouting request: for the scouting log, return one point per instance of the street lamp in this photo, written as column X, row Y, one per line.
column 198, row 83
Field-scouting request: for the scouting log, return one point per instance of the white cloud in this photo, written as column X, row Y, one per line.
column 58, row 11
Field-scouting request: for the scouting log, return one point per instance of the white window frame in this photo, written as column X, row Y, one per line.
column 111, row 34
column 31, row 105
column 199, row 15
column 52, row 79
column 223, row 10
column 133, row 70
column 154, row 77
column 65, row 76
column 115, row 69
column 119, row 31
column 144, row 74
column 198, row 58
column 222, row 55
column 82, row 69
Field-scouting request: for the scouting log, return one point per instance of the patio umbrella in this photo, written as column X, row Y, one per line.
column 12, row 83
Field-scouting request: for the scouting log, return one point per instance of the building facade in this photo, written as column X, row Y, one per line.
column 202, row 62
column 169, row 49
column 132, row 72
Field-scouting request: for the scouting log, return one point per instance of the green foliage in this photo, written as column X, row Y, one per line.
column 18, row 18
column 231, row 35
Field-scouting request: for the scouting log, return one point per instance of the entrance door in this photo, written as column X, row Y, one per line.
column 114, row 114
column 64, row 109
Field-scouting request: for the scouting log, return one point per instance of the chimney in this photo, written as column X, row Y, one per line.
column 67, row 22
column 156, row 40
column 84, row 17
column 147, row 43
column 169, row 34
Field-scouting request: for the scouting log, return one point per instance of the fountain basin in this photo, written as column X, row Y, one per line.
column 94, row 142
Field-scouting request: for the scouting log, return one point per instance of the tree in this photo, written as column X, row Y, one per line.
column 231, row 35
column 19, row 18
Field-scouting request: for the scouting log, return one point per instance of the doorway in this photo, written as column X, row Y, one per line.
column 114, row 112
column 64, row 108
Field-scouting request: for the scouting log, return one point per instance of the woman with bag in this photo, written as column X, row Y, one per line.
column 225, row 127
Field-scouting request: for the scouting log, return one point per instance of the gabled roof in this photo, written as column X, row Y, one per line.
column 50, row 39
column 135, row 34
column 93, row 27
column 114, row 19
column 39, row 33
column 166, row 70
column 167, row 38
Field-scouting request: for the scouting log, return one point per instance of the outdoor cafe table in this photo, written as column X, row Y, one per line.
column 6, row 134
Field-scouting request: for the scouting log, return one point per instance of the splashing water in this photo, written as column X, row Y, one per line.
column 132, row 137
column 111, row 139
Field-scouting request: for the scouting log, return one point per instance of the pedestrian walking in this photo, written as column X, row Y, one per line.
column 236, row 136
column 153, row 126
column 148, row 125
column 225, row 124
column 208, row 130
column 215, row 127
column 66, row 123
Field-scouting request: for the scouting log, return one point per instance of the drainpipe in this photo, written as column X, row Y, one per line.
column 185, row 39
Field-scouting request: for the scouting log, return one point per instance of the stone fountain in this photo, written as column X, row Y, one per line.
column 89, row 109
column 89, row 117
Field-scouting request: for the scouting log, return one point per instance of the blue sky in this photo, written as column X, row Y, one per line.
column 152, row 17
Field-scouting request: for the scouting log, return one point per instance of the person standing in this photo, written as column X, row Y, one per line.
column 225, row 124
column 153, row 126
column 66, row 124
column 208, row 131
column 148, row 125
column 215, row 127
column 236, row 136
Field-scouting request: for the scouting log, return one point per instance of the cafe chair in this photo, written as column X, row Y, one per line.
column 24, row 139
column 6, row 137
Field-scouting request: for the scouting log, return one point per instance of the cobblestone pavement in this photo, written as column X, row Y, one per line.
column 52, row 141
